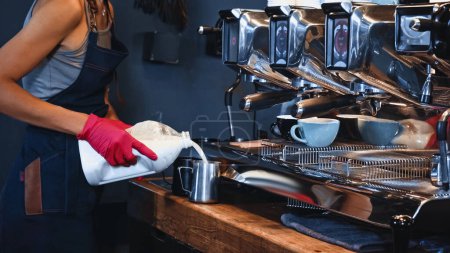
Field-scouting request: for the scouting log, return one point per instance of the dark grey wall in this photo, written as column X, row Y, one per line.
column 173, row 94
column 12, row 15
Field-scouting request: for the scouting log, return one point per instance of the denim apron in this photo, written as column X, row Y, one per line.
column 46, row 204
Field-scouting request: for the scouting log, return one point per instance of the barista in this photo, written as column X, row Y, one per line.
column 65, row 54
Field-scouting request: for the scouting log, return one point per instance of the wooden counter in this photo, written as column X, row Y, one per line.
column 238, row 224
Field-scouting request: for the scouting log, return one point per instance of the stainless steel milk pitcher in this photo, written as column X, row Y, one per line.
column 205, row 182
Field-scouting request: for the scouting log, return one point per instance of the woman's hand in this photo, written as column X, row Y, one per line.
column 109, row 138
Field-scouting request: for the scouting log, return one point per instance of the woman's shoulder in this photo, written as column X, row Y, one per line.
column 72, row 9
column 55, row 22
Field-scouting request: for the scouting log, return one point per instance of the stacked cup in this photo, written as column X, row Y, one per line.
column 309, row 3
column 280, row 2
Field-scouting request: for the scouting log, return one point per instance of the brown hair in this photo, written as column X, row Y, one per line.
column 172, row 12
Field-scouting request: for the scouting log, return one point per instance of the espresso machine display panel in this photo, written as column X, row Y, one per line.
column 279, row 42
column 231, row 42
column 337, row 42
column 407, row 37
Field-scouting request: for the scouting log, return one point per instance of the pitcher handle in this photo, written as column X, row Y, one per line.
column 181, row 179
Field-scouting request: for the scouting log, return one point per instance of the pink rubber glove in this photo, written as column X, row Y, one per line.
column 109, row 138
column 119, row 124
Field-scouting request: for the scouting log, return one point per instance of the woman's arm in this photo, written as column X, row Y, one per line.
column 51, row 23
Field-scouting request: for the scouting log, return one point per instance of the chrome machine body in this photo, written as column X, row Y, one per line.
column 245, row 38
column 384, row 186
column 245, row 45
column 422, row 31
column 297, row 45
column 370, row 54
column 342, row 187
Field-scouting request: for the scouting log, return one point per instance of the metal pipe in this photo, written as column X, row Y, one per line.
column 229, row 102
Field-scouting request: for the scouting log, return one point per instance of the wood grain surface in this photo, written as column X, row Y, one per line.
column 236, row 225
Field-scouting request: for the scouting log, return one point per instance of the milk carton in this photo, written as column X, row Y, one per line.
column 163, row 140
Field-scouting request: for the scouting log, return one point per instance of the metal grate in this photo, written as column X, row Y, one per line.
column 301, row 154
column 378, row 165
column 270, row 149
column 300, row 204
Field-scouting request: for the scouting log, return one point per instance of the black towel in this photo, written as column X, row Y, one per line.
column 436, row 243
column 339, row 231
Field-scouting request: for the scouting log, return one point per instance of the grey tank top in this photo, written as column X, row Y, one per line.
column 60, row 68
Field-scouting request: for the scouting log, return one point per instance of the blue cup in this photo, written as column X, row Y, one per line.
column 315, row 132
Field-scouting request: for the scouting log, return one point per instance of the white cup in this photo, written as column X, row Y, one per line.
column 316, row 132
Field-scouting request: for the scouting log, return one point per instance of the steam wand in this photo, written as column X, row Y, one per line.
column 229, row 102
column 427, row 87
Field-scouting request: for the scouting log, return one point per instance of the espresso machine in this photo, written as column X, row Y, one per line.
column 371, row 55
column 365, row 55
column 245, row 45
column 244, row 48
column 297, row 46
column 422, row 31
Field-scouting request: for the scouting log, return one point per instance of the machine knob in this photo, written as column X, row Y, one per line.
column 421, row 25
column 435, row 170
column 204, row 30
